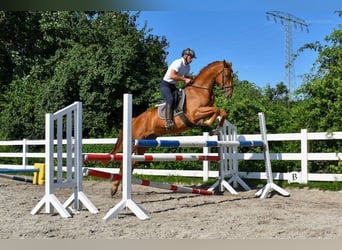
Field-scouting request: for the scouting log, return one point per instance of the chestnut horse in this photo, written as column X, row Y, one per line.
column 198, row 110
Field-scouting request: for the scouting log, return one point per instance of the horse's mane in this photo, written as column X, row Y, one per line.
column 206, row 67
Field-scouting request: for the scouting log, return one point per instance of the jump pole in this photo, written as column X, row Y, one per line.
column 126, row 200
column 184, row 144
column 172, row 187
column 270, row 185
column 222, row 143
column 5, row 171
column 12, row 170
column 16, row 178
column 150, row 157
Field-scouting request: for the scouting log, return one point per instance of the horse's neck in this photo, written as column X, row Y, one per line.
column 207, row 77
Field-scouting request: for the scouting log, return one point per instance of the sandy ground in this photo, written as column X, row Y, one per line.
column 306, row 214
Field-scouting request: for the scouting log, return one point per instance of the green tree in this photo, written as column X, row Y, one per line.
column 244, row 105
column 20, row 44
column 21, row 51
column 93, row 57
column 320, row 106
column 322, row 91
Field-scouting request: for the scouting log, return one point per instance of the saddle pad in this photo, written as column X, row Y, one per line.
column 179, row 99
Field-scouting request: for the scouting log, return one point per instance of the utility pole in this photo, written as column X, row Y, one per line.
column 288, row 21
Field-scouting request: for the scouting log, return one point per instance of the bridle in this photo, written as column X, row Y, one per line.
column 224, row 86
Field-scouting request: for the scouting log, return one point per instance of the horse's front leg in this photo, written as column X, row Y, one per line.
column 208, row 115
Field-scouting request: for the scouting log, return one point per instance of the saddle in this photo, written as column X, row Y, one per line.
column 179, row 99
column 179, row 108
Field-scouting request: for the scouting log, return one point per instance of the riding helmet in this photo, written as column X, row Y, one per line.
column 189, row 52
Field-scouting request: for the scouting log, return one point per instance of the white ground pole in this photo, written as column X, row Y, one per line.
column 270, row 185
column 126, row 200
column 72, row 116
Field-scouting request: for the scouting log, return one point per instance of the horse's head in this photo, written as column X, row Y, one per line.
column 218, row 72
column 225, row 79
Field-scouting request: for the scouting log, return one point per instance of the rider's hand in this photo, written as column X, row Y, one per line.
column 188, row 81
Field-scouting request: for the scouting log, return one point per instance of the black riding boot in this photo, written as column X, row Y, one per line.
column 169, row 117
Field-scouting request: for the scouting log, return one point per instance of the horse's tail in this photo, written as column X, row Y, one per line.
column 118, row 145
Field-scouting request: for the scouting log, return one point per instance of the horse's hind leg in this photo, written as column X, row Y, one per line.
column 116, row 182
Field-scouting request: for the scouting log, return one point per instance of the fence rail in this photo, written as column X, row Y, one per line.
column 304, row 156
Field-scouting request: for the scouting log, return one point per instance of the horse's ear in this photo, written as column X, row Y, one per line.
column 229, row 63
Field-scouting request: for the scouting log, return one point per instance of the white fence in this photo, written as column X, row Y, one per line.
column 304, row 156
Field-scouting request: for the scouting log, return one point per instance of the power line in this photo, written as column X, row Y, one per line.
column 288, row 21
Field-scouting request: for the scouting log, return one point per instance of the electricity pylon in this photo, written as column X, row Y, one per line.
column 288, row 20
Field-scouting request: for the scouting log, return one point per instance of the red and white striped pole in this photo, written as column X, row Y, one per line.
column 172, row 187
column 175, row 188
column 101, row 174
column 151, row 157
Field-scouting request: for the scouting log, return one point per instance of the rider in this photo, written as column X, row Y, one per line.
column 178, row 71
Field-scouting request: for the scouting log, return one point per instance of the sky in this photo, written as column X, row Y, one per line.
column 239, row 32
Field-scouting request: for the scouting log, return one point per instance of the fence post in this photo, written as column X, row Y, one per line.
column 206, row 164
column 24, row 161
column 304, row 155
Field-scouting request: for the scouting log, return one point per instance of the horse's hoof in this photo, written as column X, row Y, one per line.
column 215, row 131
column 113, row 190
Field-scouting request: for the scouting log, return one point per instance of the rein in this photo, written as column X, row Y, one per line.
column 200, row 87
column 223, row 87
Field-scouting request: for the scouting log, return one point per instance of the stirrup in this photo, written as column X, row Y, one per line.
column 169, row 124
